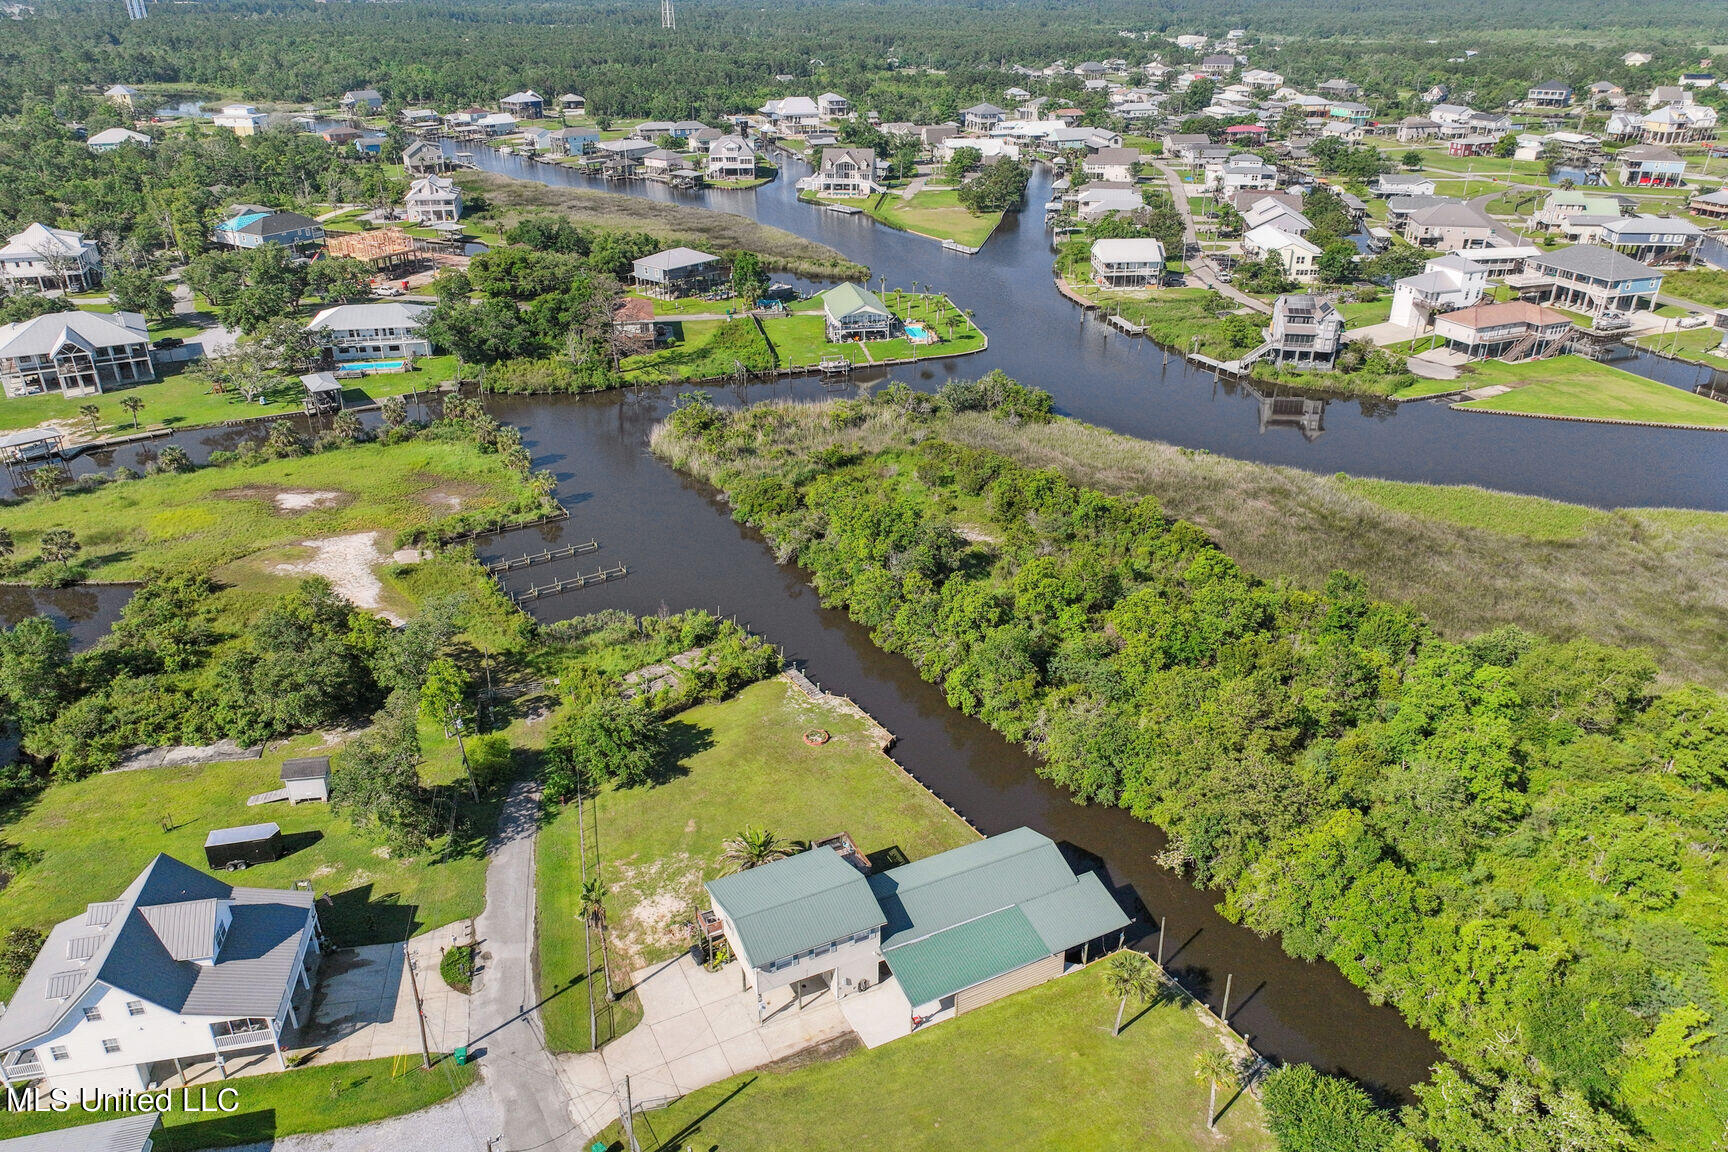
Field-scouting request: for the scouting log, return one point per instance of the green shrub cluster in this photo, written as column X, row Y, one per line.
column 1515, row 841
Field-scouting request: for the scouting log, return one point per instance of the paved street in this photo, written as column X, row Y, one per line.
column 1200, row 269
column 504, row 1024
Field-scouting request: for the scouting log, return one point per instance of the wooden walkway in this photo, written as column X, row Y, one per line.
column 545, row 556
column 536, row 591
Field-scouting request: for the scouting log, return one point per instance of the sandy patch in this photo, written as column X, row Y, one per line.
column 658, row 896
column 293, row 501
column 347, row 562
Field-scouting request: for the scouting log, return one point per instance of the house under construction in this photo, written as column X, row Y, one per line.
column 381, row 249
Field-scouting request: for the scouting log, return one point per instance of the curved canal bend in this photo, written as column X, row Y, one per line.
column 684, row 551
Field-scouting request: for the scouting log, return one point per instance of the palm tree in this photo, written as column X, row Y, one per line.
column 753, row 848
column 1129, row 974
column 91, row 413
column 1212, row 1069
column 132, row 404
column 59, row 545
column 594, row 911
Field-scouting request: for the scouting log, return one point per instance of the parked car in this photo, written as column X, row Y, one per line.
column 1692, row 321
column 387, row 290
column 167, row 342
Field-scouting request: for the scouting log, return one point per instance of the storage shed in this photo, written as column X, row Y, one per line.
column 234, row 848
column 307, row 779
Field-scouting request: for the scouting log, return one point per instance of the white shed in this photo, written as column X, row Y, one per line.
column 307, row 779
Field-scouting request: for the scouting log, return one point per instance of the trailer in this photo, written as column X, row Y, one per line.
column 231, row 849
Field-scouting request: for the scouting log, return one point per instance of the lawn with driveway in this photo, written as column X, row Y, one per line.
column 741, row 762
column 1036, row 1070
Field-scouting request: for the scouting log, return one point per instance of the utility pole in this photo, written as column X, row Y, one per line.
column 587, row 948
column 629, row 1118
column 419, row 1008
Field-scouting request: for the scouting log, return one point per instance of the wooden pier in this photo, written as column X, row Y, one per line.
column 1122, row 324
column 535, row 591
column 545, row 556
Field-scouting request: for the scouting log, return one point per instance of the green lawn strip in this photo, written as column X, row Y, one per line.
column 316, row 1099
column 1707, row 287
column 94, row 836
column 1424, row 387
column 742, row 762
column 1038, row 1069
column 1691, row 343
column 1576, row 387
column 1528, row 517
column 181, row 399
column 217, row 516
column 937, row 214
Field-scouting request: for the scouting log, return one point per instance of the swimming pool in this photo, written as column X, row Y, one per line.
column 916, row 331
column 372, row 366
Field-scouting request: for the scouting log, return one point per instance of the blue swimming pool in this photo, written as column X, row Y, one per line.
column 916, row 331
column 372, row 366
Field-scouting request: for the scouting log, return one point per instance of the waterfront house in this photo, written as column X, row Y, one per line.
column 633, row 324
column 496, row 124
column 1448, row 225
column 1589, row 278
column 74, row 353
column 240, row 119
column 1306, row 332
column 433, row 199
column 45, row 258
column 956, row 930
column 845, row 172
column 1711, row 205
column 1678, row 124
column 793, row 116
column 1128, row 263
column 111, row 138
column 1111, row 164
column 1648, row 238
column 423, row 156
column 253, row 226
column 341, row 134
column 380, row 329
column 679, row 272
column 731, row 158
column 121, row 94
column 1094, row 204
column 1650, row 166
column 180, row 967
column 529, row 105
column 854, row 313
column 361, row 101
column 1445, row 283
column 1412, row 129
column 1512, row 331
column 574, row 141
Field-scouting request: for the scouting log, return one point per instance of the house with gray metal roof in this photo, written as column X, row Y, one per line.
column 74, row 353
column 1589, row 278
column 955, row 930
column 382, row 328
column 181, row 967
column 133, row 1133
column 678, row 272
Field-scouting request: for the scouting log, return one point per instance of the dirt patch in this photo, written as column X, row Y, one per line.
column 347, row 562
column 658, row 899
column 288, row 500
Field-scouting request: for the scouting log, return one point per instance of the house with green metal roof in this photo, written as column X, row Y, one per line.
column 854, row 313
column 808, row 920
column 955, row 931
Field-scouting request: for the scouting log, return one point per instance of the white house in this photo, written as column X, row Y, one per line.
column 731, row 158
column 843, row 172
column 1127, row 263
column 1114, row 164
column 1261, row 78
column 180, row 967
column 1403, row 184
column 42, row 257
column 496, row 124
column 240, row 119
column 1094, row 204
column 831, row 105
column 111, row 138
column 793, row 116
column 1296, row 254
column 383, row 328
column 1445, row 283
column 74, row 353
column 433, row 199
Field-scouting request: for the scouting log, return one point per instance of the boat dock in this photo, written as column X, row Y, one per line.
column 528, row 560
column 535, row 591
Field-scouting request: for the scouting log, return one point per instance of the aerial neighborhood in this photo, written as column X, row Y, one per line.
column 826, row 578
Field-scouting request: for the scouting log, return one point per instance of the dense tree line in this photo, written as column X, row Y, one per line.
column 1516, row 842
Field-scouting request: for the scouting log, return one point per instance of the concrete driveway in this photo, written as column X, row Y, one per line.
column 363, row 1005
column 698, row 1027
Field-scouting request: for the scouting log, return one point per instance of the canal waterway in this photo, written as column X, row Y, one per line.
column 683, row 550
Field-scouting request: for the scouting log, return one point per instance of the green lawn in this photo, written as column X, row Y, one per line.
column 740, row 762
column 220, row 516
column 1360, row 313
column 1037, row 1070
column 271, row 1106
column 1706, row 286
column 1690, row 343
column 1576, row 387
column 183, row 399
column 1527, row 517
column 937, row 214
column 95, row 835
